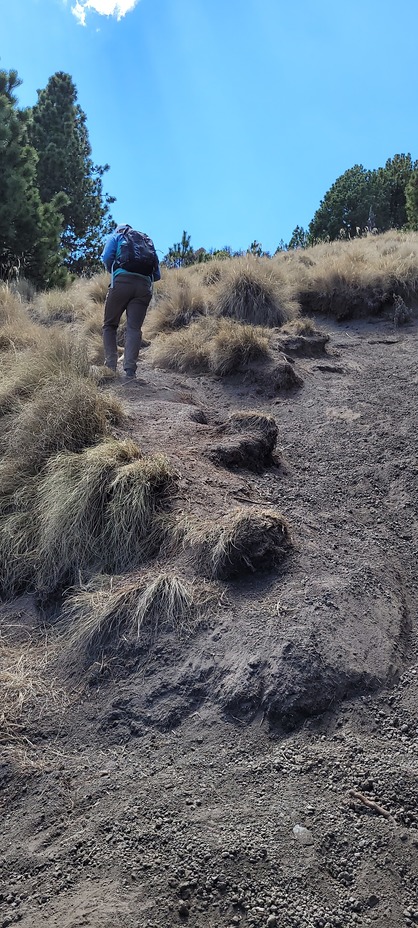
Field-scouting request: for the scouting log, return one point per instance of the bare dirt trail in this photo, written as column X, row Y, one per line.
column 208, row 782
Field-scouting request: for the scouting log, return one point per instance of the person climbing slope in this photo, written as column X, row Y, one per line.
column 131, row 259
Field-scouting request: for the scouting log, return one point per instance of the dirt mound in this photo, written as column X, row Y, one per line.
column 303, row 346
column 284, row 377
column 249, row 440
column 245, row 542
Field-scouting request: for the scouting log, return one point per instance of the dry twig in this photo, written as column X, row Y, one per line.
column 370, row 803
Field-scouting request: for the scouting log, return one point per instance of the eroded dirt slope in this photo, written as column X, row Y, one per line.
column 169, row 790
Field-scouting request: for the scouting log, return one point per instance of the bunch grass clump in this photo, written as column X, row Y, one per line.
column 219, row 346
column 97, row 287
column 350, row 279
column 10, row 305
column 66, row 413
column 57, row 353
column 19, row 334
column 181, row 299
column 62, row 305
column 243, row 543
column 254, row 292
column 131, row 609
column 100, row 510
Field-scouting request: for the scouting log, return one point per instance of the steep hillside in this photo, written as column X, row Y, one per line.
column 208, row 627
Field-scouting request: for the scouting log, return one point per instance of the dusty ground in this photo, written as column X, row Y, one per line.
column 173, row 787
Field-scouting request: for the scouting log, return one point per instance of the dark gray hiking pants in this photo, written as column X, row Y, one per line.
column 132, row 294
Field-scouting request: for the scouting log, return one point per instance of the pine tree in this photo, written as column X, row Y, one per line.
column 60, row 136
column 29, row 230
column 395, row 177
column 181, row 254
column 298, row 238
column 411, row 195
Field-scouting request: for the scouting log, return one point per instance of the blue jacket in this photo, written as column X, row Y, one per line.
column 109, row 254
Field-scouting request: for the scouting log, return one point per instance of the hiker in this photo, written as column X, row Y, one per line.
column 132, row 262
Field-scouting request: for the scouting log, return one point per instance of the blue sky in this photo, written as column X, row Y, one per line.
column 227, row 118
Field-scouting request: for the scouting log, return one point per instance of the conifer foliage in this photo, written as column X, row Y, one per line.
column 29, row 229
column 60, row 136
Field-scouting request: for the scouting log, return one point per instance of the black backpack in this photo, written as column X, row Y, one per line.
column 135, row 253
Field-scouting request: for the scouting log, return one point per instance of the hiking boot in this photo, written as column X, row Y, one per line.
column 129, row 375
column 144, row 343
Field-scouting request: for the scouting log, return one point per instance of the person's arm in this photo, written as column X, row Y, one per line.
column 109, row 252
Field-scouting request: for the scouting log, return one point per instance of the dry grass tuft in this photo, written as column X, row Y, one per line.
column 100, row 510
column 254, row 292
column 69, row 305
column 97, row 287
column 235, row 345
column 18, row 541
column 180, row 300
column 220, row 346
column 19, row 334
column 58, row 353
column 244, row 542
column 117, row 610
column 66, row 413
column 213, row 271
column 10, row 305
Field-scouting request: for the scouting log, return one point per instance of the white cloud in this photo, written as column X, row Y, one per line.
column 117, row 8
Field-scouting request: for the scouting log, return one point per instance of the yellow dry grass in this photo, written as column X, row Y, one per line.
column 66, row 413
column 181, row 298
column 10, row 305
column 102, row 509
column 355, row 278
column 125, row 610
column 62, row 306
column 254, row 291
column 56, row 354
column 220, row 346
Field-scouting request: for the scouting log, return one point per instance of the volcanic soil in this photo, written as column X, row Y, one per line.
column 261, row 770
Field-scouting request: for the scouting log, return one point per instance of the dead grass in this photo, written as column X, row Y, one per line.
column 253, row 291
column 220, row 346
column 131, row 610
column 58, row 353
column 246, row 541
column 181, row 299
column 100, row 510
column 69, row 305
column 18, row 545
column 355, row 278
column 10, row 305
column 105, row 508
column 28, row 691
column 66, row 413
column 19, row 334
column 97, row 287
